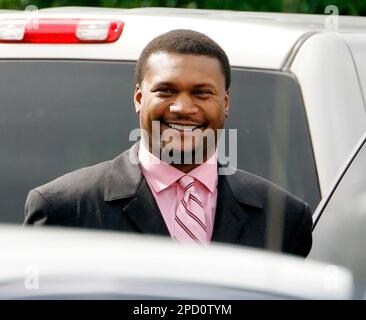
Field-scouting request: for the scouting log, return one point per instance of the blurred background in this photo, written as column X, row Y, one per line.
column 345, row 7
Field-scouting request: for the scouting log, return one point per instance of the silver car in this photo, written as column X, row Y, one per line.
column 55, row 263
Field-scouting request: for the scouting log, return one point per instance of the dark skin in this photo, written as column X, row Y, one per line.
column 183, row 90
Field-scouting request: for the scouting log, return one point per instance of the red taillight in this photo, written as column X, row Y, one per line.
column 60, row 31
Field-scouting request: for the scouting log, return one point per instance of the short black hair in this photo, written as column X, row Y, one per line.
column 186, row 42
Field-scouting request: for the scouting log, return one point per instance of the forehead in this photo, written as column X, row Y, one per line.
column 177, row 67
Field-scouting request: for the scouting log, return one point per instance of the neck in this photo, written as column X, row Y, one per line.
column 185, row 167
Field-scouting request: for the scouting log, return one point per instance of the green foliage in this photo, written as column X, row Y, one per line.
column 346, row 7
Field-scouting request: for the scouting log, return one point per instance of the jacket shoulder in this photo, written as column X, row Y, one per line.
column 264, row 188
column 77, row 182
column 279, row 208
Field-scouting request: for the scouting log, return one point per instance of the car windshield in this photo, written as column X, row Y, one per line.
column 61, row 115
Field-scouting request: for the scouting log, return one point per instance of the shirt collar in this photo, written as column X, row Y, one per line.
column 163, row 175
column 206, row 173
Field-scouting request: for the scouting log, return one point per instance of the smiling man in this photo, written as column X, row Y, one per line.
column 168, row 184
column 186, row 97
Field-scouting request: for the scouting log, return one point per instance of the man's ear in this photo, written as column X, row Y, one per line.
column 137, row 98
column 227, row 103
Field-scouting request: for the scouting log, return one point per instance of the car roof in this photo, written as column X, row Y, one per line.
column 63, row 252
column 288, row 20
column 266, row 39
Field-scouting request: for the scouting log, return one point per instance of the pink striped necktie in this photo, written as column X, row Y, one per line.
column 190, row 222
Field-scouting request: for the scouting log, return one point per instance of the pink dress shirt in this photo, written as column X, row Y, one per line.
column 162, row 179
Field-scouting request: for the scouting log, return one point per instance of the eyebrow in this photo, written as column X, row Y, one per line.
column 171, row 84
column 206, row 85
column 163, row 84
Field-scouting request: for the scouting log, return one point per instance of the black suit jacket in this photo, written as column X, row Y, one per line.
column 114, row 195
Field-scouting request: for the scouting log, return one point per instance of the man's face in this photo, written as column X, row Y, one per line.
column 186, row 94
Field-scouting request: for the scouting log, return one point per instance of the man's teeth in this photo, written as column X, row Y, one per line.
column 182, row 128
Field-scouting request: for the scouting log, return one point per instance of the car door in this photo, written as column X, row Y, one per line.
column 339, row 232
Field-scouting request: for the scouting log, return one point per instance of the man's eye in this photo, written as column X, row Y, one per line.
column 202, row 93
column 165, row 91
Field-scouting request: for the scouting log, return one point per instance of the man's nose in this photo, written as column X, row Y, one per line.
column 183, row 105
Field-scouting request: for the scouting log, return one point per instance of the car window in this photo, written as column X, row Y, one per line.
column 60, row 115
column 339, row 234
column 273, row 135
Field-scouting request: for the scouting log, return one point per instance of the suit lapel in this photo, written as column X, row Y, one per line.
column 144, row 212
column 125, row 181
column 227, row 226
column 236, row 198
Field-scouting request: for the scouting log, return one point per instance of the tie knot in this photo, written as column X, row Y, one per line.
column 187, row 182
